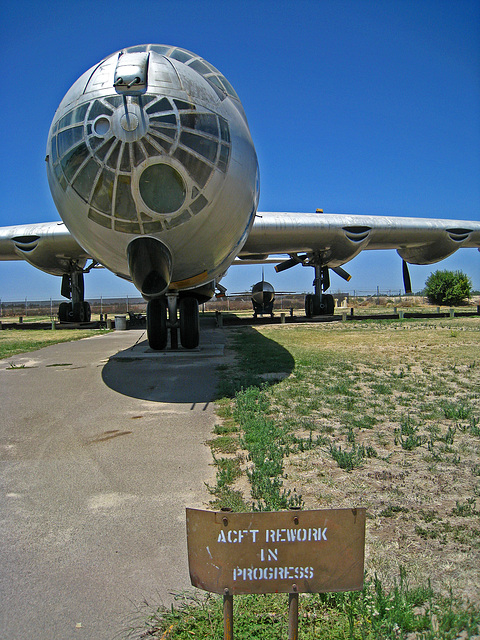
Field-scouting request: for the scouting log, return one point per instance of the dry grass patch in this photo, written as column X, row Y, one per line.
column 390, row 412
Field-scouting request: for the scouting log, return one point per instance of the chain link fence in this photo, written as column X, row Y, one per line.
column 283, row 301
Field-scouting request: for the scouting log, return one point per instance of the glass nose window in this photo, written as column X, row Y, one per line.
column 162, row 188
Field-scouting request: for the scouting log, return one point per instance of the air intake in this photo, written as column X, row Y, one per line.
column 26, row 243
column 357, row 234
column 459, row 235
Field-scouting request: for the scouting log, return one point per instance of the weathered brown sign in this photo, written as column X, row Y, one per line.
column 276, row 552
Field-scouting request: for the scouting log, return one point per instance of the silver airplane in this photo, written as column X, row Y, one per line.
column 263, row 297
column 154, row 173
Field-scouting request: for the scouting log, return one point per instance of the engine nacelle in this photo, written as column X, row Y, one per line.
column 431, row 252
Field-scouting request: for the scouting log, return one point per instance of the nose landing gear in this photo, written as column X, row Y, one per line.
column 158, row 324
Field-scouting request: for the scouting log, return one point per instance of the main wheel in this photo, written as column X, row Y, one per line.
column 64, row 311
column 189, row 323
column 78, row 312
column 87, row 311
column 329, row 304
column 309, row 305
column 157, row 324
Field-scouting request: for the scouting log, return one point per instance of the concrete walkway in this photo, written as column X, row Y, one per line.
column 101, row 449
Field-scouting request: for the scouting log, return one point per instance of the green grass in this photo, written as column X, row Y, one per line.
column 14, row 342
column 375, row 613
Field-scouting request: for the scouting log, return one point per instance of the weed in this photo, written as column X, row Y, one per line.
column 228, row 470
column 60, row 364
column 382, row 389
column 224, row 444
column 348, row 460
column 455, row 410
column 428, row 515
column 392, row 510
column 407, row 427
column 465, row 509
column 12, row 365
column 474, row 427
column 228, row 498
column 266, row 444
column 225, row 428
column 306, row 444
column 449, row 436
column 363, row 422
column 412, row 441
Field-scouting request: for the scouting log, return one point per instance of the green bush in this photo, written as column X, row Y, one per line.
column 448, row 287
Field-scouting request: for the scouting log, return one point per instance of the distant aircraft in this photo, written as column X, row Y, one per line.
column 154, row 173
column 263, row 297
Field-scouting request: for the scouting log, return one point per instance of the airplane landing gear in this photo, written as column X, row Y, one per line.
column 74, row 312
column 158, row 324
column 320, row 303
column 319, row 306
column 78, row 310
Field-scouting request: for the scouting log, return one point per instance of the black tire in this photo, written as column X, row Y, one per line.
column 189, row 323
column 78, row 312
column 64, row 309
column 87, row 311
column 157, row 324
column 309, row 306
column 330, row 304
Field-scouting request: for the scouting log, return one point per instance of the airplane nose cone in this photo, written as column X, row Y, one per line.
column 150, row 266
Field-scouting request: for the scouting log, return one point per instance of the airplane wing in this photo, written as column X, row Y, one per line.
column 332, row 240
column 48, row 246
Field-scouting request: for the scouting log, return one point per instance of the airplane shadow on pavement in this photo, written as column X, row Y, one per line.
column 197, row 377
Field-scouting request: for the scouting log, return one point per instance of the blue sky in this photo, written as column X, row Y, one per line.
column 355, row 106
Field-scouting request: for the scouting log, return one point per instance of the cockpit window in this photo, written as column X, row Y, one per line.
column 88, row 156
column 162, row 188
column 181, row 55
column 99, row 109
column 205, row 122
column 75, row 116
column 200, row 67
column 162, row 49
column 161, row 105
column 182, row 106
column 68, row 138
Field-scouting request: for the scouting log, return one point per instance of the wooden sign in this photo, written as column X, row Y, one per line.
column 276, row 552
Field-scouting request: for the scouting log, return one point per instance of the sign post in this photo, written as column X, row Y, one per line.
column 275, row 552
